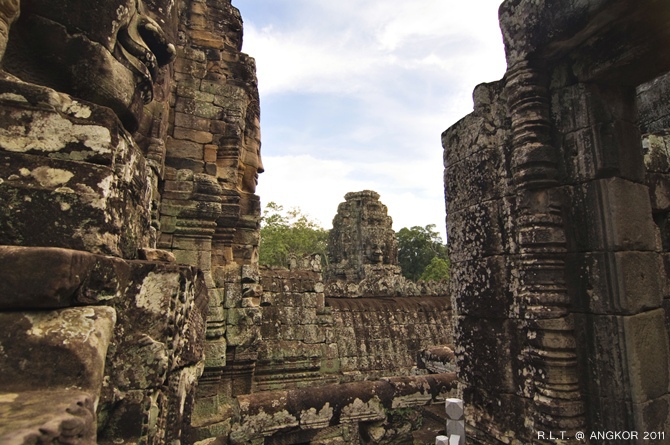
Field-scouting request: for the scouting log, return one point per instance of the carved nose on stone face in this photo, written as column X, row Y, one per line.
column 154, row 37
column 259, row 168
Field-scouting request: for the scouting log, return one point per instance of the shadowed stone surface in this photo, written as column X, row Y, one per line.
column 555, row 189
column 50, row 278
column 132, row 305
column 56, row 416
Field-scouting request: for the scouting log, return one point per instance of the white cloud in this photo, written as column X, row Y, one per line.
column 317, row 187
column 352, row 44
column 404, row 71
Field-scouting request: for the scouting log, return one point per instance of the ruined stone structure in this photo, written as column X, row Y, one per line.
column 363, row 253
column 556, row 188
column 131, row 303
column 311, row 339
column 102, row 339
column 362, row 241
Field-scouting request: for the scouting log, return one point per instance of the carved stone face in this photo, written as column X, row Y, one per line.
column 109, row 52
column 251, row 164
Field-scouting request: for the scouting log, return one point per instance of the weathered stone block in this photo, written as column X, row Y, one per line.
column 616, row 282
column 486, row 127
column 194, row 166
column 201, row 137
column 75, row 204
column 480, row 177
column 55, row 416
column 490, row 371
column 178, row 186
column 177, row 148
column 67, row 348
column 161, row 324
column 314, row 334
column 243, row 326
column 200, row 259
column 659, row 191
column 630, row 352
column 210, row 153
column 215, row 352
column 206, row 39
column 598, row 138
column 227, row 90
column 159, row 255
column 611, row 214
column 477, row 231
column 193, row 122
column 570, row 109
column 136, row 416
column 656, row 152
column 39, row 121
column 653, row 417
column 44, row 277
column 200, row 244
column 647, row 355
column 190, row 67
column 652, row 100
column 482, row 288
column 233, row 295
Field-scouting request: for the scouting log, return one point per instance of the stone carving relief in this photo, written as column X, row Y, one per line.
column 84, row 114
column 363, row 253
column 548, row 217
column 110, row 52
column 129, row 228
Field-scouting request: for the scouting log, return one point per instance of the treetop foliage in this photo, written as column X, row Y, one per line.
column 422, row 254
column 291, row 233
column 287, row 233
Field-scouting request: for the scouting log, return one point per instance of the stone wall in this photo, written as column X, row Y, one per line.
column 103, row 335
column 378, row 337
column 209, row 213
column 557, row 272
column 130, row 293
column 310, row 339
column 654, row 117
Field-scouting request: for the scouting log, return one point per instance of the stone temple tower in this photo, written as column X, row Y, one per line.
column 362, row 240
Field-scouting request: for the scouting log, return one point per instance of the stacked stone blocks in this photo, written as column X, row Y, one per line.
column 565, row 207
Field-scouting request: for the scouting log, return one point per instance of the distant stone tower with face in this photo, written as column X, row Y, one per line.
column 362, row 239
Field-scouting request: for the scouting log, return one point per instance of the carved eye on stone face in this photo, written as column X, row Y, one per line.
column 144, row 48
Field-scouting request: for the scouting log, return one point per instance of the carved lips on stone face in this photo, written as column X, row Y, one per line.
column 109, row 52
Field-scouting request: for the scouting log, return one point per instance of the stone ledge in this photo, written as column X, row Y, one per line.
column 51, row 277
column 56, row 416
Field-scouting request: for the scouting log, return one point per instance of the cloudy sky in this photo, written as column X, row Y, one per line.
column 355, row 94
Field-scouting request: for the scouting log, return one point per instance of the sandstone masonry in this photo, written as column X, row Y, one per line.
column 557, row 194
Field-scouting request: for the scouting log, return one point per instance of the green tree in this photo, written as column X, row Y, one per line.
column 417, row 246
column 286, row 233
column 436, row 270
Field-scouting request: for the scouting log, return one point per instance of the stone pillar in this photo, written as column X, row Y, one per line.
column 549, row 362
column 555, row 255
